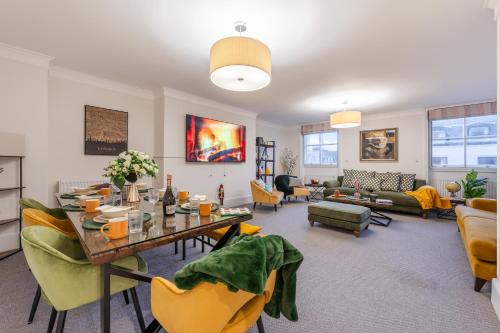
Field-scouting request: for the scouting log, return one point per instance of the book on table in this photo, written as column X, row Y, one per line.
column 235, row 211
column 383, row 202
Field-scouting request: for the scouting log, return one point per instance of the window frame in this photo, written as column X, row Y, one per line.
column 432, row 168
column 304, row 147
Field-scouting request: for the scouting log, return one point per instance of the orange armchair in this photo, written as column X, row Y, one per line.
column 207, row 308
column 261, row 196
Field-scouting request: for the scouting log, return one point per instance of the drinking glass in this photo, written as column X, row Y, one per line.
column 135, row 221
column 153, row 198
column 194, row 207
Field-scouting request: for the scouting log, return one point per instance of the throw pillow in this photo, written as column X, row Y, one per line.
column 371, row 184
column 389, row 181
column 261, row 183
column 361, row 176
column 407, row 181
column 295, row 182
column 269, row 188
column 348, row 178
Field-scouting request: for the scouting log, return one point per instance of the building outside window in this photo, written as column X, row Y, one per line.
column 464, row 137
column 320, row 145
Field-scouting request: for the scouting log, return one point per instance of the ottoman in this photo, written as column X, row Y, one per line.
column 346, row 216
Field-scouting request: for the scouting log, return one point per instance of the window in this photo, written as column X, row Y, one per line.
column 320, row 149
column 467, row 142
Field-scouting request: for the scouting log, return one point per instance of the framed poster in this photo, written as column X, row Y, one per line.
column 106, row 131
column 379, row 145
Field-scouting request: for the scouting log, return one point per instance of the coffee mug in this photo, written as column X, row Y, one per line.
column 117, row 228
column 205, row 208
column 183, row 195
column 105, row 191
column 91, row 205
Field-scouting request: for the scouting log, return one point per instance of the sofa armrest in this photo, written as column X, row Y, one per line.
column 331, row 183
column 489, row 205
column 418, row 183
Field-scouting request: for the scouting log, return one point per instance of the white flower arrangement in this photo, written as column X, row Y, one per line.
column 130, row 165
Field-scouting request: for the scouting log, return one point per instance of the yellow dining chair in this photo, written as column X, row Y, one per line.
column 207, row 308
column 33, row 216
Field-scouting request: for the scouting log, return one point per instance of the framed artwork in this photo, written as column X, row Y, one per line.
column 379, row 145
column 106, row 131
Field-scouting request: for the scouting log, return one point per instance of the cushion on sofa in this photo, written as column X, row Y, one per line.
column 398, row 198
column 407, row 181
column 340, row 211
column 481, row 236
column 389, row 181
column 348, row 179
column 371, row 184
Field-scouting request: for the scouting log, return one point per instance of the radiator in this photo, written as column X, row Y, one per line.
column 66, row 186
column 439, row 184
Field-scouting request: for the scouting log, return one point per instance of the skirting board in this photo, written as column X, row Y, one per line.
column 495, row 296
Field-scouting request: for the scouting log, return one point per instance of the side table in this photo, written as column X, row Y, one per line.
column 316, row 191
column 449, row 214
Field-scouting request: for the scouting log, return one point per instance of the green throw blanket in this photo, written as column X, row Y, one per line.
column 246, row 264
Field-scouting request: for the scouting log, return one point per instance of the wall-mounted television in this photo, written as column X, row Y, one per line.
column 214, row 141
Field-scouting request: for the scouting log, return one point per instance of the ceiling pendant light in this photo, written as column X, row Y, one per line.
column 240, row 63
column 345, row 119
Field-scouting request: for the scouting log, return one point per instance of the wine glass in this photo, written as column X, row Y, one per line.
column 153, row 198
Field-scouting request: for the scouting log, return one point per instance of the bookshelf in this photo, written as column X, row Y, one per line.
column 265, row 160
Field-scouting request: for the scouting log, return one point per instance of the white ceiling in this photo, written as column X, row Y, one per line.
column 383, row 55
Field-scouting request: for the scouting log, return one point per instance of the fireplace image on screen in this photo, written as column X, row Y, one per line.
column 209, row 140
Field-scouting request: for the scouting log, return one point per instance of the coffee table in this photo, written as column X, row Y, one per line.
column 316, row 191
column 376, row 216
column 449, row 214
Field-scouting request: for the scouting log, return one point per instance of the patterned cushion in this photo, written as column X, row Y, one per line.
column 348, row 178
column 407, row 181
column 371, row 184
column 389, row 181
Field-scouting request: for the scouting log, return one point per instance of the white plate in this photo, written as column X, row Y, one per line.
column 102, row 219
column 117, row 211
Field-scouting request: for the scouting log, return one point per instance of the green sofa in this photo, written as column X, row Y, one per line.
column 401, row 202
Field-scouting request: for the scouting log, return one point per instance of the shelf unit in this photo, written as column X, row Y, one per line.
column 265, row 153
column 16, row 219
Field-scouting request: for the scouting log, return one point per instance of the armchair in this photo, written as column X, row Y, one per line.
column 261, row 196
column 283, row 184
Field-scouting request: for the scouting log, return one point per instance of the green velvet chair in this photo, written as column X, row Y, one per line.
column 58, row 213
column 66, row 277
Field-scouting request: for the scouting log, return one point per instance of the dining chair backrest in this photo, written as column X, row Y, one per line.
column 33, row 216
column 207, row 308
column 58, row 213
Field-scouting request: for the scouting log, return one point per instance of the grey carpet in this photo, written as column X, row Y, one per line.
column 410, row 277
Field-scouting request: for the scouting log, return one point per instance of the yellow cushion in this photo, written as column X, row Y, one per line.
column 245, row 228
column 481, row 236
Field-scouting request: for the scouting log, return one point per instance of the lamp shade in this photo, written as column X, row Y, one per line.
column 345, row 119
column 240, row 64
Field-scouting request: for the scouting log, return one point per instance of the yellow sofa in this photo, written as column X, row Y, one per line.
column 477, row 223
column 261, row 196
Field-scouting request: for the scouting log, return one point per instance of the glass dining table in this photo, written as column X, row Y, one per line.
column 158, row 231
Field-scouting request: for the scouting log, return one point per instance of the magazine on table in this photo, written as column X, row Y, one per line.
column 235, row 211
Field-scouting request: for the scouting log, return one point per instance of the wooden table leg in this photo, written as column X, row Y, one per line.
column 105, row 299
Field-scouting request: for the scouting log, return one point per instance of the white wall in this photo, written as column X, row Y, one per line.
column 23, row 94
column 67, row 100
column 201, row 178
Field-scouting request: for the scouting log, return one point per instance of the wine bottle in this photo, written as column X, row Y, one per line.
column 169, row 198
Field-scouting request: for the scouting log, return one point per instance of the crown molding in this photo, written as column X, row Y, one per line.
column 25, row 56
column 69, row 74
column 184, row 96
column 493, row 4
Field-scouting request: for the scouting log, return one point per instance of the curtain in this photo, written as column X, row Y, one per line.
column 316, row 128
column 462, row 111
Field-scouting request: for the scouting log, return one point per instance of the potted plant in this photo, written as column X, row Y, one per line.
column 130, row 166
column 473, row 186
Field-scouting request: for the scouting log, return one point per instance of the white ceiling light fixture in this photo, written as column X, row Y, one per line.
column 240, row 63
column 345, row 119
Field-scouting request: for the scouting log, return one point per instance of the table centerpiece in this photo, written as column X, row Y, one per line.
column 130, row 166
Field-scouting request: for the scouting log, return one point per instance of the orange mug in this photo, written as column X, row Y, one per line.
column 117, row 228
column 91, row 205
column 183, row 195
column 105, row 191
column 205, row 208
